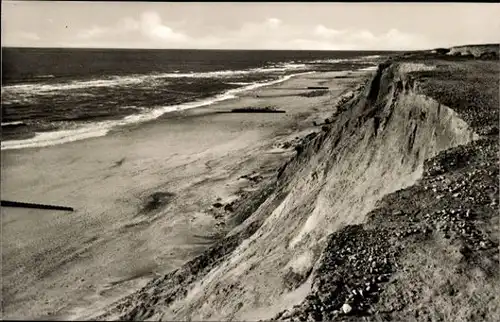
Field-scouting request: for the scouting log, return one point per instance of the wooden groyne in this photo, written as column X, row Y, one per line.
column 17, row 204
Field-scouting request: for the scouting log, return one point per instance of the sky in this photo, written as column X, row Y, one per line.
column 244, row 25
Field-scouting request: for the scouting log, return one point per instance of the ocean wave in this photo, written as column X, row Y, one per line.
column 45, row 88
column 342, row 60
column 239, row 83
column 231, row 73
column 371, row 57
column 57, row 137
column 12, row 123
column 19, row 89
column 99, row 129
column 328, row 61
column 45, row 76
column 371, row 68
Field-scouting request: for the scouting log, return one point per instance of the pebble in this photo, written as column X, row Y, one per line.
column 346, row 308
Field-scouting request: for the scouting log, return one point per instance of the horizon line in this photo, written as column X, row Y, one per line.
column 245, row 49
column 218, row 49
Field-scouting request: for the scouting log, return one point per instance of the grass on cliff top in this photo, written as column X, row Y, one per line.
column 468, row 86
column 436, row 285
column 442, row 278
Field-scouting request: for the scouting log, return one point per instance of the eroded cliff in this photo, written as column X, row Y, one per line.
column 300, row 243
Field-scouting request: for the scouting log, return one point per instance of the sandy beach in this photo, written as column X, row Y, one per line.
column 287, row 162
column 146, row 197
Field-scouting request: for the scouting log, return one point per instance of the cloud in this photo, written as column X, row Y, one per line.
column 28, row 35
column 393, row 39
column 149, row 26
column 273, row 22
column 275, row 34
column 152, row 26
column 93, row 32
column 322, row 31
column 150, row 30
column 20, row 38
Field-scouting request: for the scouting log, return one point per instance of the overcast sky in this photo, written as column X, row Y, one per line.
column 322, row 26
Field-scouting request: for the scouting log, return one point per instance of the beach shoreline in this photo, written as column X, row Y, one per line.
column 184, row 163
column 102, row 128
column 18, row 135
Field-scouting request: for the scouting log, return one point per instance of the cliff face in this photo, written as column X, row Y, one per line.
column 490, row 51
column 427, row 252
column 377, row 144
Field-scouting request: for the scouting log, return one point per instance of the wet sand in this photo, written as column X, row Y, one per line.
column 67, row 265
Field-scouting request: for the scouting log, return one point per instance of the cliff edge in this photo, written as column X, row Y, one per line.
column 387, row 213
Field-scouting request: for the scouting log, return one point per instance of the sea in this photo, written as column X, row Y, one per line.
column 57, row 95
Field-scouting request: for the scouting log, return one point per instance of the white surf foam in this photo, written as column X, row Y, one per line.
column 46, row 88
column 137, row 79
column 341, row 60
column 45, row 76
column 58, row 137
column 328, row 61
column 13, row 123
column 370, row 57
column 229, row 73
column 98, row 129
column 371, row 68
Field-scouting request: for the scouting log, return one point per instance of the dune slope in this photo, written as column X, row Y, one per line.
column 301, row 249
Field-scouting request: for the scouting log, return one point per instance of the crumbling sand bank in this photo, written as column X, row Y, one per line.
column 307, row 250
